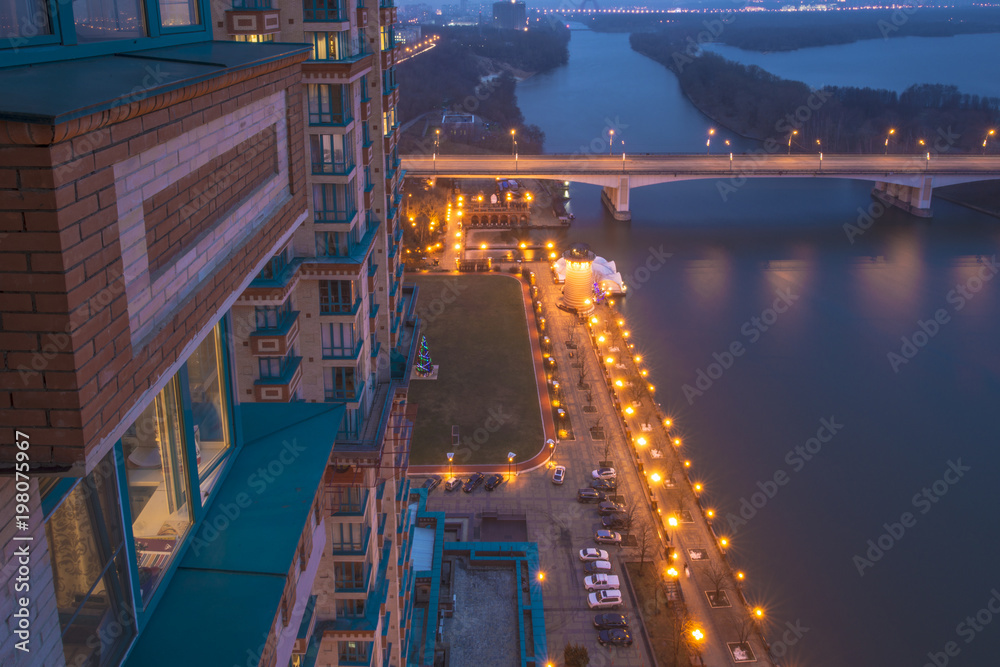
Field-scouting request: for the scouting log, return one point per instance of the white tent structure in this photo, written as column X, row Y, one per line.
column 606, row 275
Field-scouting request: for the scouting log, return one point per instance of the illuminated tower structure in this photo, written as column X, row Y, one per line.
column 578, row 292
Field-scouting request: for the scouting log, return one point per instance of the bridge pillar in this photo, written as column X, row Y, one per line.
column 915, row 200
column 616, row 198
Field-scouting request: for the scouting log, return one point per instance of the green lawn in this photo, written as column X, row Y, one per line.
column 476, row 332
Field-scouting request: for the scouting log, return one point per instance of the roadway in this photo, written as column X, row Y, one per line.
column 693, row 165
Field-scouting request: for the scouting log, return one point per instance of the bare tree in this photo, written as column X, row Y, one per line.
column 647, row 538
column 629, row 518
column 746, row 628
column 582, row 374
column 607, row 448
column 719, row 577
column 590, row 399
column 678, row 624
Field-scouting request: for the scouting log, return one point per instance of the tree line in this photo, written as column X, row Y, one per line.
column 760, row 105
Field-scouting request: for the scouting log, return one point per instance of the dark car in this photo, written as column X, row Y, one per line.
column 613, row 521
column 604, row 484
column 607, row 508
column 493, row 482
column 473, row 482
column 615, row 637
column 589, row 496
column 432, row 482
column 609, row 621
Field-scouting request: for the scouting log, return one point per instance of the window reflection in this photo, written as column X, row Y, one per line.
column 208, row 407
column 89, row 571
column 156, row 468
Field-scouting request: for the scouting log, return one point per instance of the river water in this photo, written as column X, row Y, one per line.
column 888, row 427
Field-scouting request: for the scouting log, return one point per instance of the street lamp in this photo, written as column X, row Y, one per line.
column 708, row 144
column 451, row 457
column 611, row 141
column 891, row 132
column 987, row 138
column 510, row 460
column 790, row 135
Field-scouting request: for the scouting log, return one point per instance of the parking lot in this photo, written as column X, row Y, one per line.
column 561, row 526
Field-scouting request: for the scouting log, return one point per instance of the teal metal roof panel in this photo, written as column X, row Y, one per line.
column 224, row 595
column 209, row 618
column 60, row 91
column 269, row 489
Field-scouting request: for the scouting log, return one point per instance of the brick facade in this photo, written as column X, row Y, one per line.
column 83, row 338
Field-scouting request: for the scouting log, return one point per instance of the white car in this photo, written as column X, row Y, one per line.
column 600, row 582
column 593, row 554
column 604, row 473
column 609, row 599
column 558, row 474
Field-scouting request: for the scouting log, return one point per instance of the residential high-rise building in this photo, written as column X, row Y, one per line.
column 510, row 15
column 205, row 337
column 332, row 321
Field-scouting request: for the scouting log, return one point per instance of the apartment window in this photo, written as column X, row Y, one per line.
column 349, row 575
column 90, row 570
column 274, row 368
column 347, row 499
column 334, row 202
column 321, row 10
column 348, row 537
column 329, row 104
column 363, row 83
column 332, row 153
column 159, row 496
column 251, row 4
column 178, row 13
column 389, row 120
column 333, row 244
column 275, row 266
column 354, row 653
column 351, row 608
column 336, row 297
column 253, row 39
column 339, row 383
column 331, row 45
column 388, row 37
column 389, row 79
column 338, row 340
column 209, row 407
column 271, row 318
column 22, row 19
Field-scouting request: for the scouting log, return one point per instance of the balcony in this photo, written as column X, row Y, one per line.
column 348, row 67
column 342, row 353
column 282, row 388
column 353, row 549
column 332, row 167
column 334, row 216
column 278, row 341
column 338, row 308
column 253, row 18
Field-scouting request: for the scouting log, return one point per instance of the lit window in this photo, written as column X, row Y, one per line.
column 209, row 406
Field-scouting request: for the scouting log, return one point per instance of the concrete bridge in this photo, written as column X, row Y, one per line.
column 904, row 181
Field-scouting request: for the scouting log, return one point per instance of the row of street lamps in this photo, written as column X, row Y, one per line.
column 793, row 133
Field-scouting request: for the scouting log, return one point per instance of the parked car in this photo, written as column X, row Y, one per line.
column 590, row 553
column 589, row 496
column 473, row 482
column 558, row 474
column 607, row 537
column 614, row 521
column 600, row 582
column 608, row 621
column 452, row 484
column 604, row 484
column 595, row 566
column 432, row 482
column 614, row 637
column 607, row 507
column 604, row 473
column 493, row 481
column 610, row 599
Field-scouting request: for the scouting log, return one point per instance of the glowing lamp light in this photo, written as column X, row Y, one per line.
column 698, row 487
column 629, row 411
column 667, row 422
column 600, row 339
column 651, row 389
column 609, row 360
column 698, row 634
column 549, row 245
column 637, row 358
column 541, row 576
column 672, row 521
column 552, row 255
column 672, row 571
column 643, row 372
column 723, row 542
column 687, row 464
column 740, row 576
column 677, row 442
column 758, row 612
column 619, row 383
column 593, row 320
column 641, row 441
column 710, row 514
column 655, row 477
column 523, row 246
column 482, row 246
